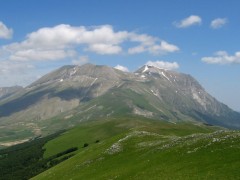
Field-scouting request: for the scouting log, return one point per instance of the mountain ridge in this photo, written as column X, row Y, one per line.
column 72, row 94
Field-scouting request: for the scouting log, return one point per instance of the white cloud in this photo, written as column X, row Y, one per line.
column 63, row 35
column 121, row 68
column 189, row 21
column 55, row 43
column 137, row 49
column 150, row 44
column 55, row 40
column 81, row 60
column 222, row 57
column 144, row 39
column 163, row 48
column 41, row 55
column 164, row 64
column 105, row 49
column 5, row 32
column 218, row 23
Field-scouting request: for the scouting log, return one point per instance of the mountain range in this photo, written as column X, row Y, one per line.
column 73, row 94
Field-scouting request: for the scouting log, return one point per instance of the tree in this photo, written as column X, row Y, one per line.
column 85, row 145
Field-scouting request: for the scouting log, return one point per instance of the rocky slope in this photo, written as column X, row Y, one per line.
column 183, row 93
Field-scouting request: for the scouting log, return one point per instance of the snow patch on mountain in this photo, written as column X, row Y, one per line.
column 166, row 77
column 145, row 68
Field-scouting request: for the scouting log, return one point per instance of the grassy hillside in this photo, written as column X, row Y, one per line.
column 90, row 132
column 139, row 148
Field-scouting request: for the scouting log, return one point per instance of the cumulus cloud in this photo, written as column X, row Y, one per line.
column 59, row 42
column 144, row 39
column 189, row 21
column 54, row 42
column 81, row 60
column 162, row 48
column 150, row 44
column 164, row 64
column 41, row 55
column 105, row 49
column 137, row 49
column 222, row 57
column 121, row 68
column 218, row 23
column 5, row 32
column 64, row 35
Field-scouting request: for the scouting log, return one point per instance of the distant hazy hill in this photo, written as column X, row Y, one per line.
column 8, row 91
column 73, row 94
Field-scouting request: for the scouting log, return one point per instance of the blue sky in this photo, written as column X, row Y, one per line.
column 197, row 37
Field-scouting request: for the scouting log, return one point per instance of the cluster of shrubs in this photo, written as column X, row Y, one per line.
column 86, row 144
column 63, row 153
column 53, row 160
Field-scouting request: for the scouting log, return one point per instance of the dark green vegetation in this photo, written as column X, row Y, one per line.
column 26, row 160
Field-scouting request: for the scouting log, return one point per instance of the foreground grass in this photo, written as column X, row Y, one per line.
column 133, row 148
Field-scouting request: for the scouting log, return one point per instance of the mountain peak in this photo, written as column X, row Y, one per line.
column 149, row 71
column 150, row 68
column 77, row 73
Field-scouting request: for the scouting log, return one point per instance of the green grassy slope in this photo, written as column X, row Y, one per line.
column 90, row 132
column 133, row 148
